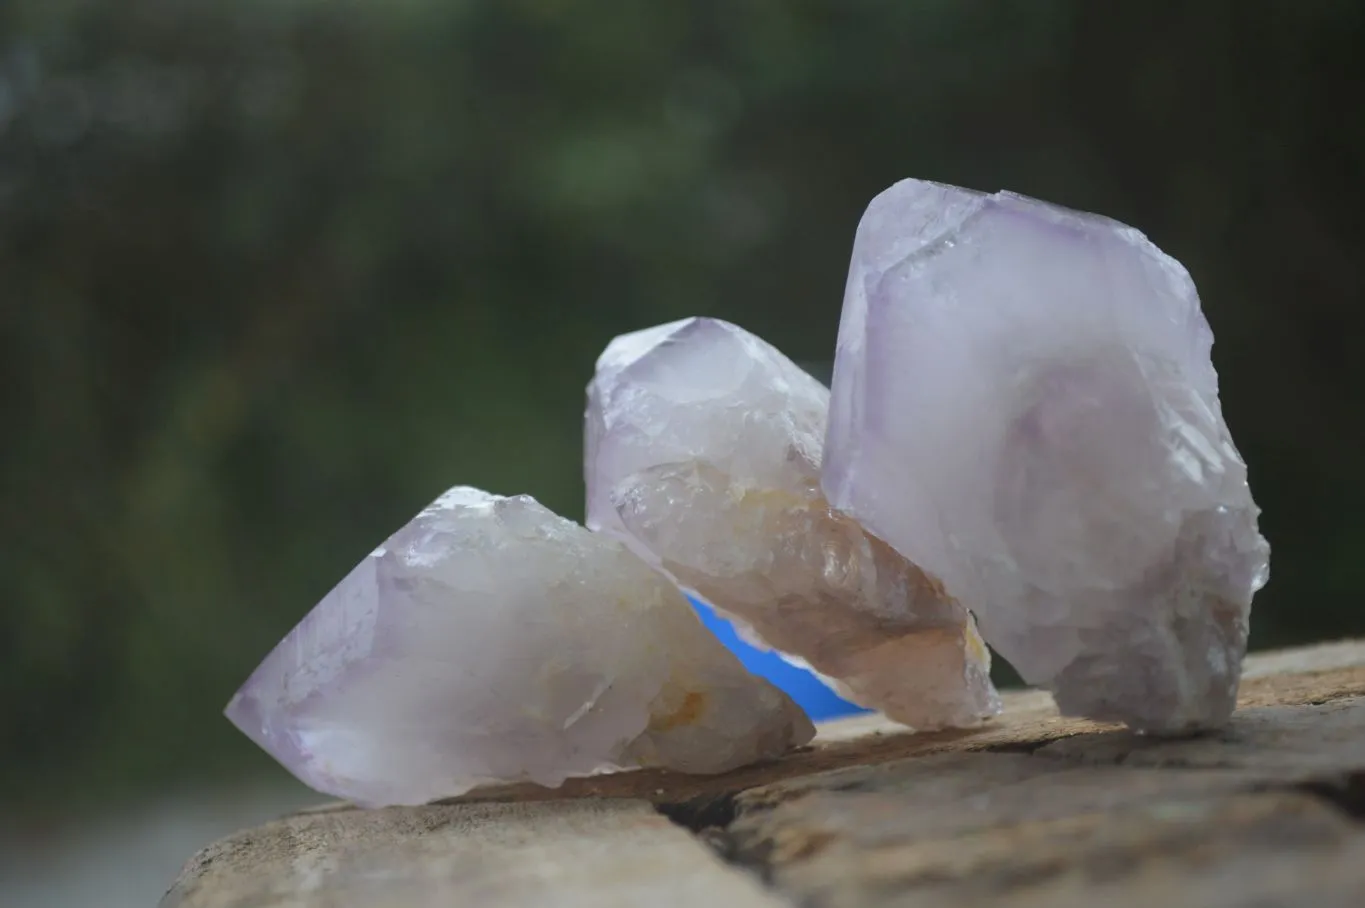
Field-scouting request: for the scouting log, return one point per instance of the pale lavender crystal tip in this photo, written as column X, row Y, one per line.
column 1024, row 404
column 702, row 452
column 491, row 640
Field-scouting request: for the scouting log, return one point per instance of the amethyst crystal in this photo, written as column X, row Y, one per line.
column 1024, row 405
column 491, row 640
column 703, row 449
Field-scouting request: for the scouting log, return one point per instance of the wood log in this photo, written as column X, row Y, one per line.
column 1033, row 809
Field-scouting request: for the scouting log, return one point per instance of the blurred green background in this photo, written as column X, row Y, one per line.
column 274, row 274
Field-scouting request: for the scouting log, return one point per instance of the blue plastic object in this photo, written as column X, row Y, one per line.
column 809, row 692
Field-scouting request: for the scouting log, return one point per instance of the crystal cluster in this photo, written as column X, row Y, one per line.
column 703, row 452
column 1024, row 423
column 1025, row 406
column 491, row 640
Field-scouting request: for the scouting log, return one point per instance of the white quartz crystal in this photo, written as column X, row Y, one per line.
column 1025, row 406
column 702, row 451
column 490, row 640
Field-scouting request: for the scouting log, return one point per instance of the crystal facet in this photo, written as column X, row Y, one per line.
column 1024, row 404
column 703, row 447
column 491, row 640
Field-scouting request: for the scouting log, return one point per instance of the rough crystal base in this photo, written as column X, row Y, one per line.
column 1024, row 405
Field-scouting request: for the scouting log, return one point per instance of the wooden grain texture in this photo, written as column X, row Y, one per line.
column 1268, row 812
column 1033, row 809
column 585, row 853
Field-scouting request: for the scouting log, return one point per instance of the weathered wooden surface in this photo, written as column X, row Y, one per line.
column 586, row 852
column 1032, row 810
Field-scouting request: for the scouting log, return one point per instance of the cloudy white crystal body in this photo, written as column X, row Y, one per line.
column 490, row 640
column 1024, row 404
column 703, row 449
